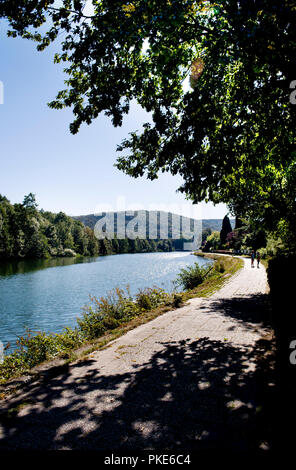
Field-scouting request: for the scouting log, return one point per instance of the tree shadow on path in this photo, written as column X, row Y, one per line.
column 194, row 395
column 250, row 310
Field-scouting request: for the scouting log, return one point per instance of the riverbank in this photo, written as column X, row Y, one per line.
column 48, row 297
column 42, row 347
column 22, row 265
column 194, row 378
column 228, row 268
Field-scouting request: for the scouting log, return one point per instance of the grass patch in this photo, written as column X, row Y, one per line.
column 223, row 269
column 110, row 317
column 193, row 276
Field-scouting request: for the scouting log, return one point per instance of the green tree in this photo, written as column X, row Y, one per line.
column 26, row 232
column 205, row 233
column 29, row 201
column 92, row 242
column 152, row 244
column 133, row 245
column 123, row 245
column 115, row 245
column 106, row 247
column 6, row 237
column 51, row 235
column 79, row 238
column 213, row 241
column 145, row 246
column 249, row 235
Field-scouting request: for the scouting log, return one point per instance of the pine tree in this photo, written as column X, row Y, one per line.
column 225, row 230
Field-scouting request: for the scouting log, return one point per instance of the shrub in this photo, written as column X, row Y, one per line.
column 150, row 298
column 12, row 365
column 90, row 324
column 177, row 300
column 219, row 266
column 107, row 313
column 263, row 252
column 110, row 323
column 192, row 276
column 68, row 340
column 37, row 348
column 143, row 300
column 116, row 308
column 33, row 349
column 274, row 246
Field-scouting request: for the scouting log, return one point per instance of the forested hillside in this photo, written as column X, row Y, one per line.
column 209, row 225
column 214, row 225
column 26, row 232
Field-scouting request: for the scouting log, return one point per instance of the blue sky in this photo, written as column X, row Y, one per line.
column 73, row 174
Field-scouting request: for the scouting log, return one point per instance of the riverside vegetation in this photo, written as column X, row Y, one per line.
column 113, row 314
column 29, row 233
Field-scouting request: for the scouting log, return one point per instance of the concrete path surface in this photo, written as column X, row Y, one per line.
column 192, row 378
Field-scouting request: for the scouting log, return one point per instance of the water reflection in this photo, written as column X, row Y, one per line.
column 29, row 265
column 43, row 299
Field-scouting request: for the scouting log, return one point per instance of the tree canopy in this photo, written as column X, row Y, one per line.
column 230, row 134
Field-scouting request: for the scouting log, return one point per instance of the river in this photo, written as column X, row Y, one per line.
column 47, row 295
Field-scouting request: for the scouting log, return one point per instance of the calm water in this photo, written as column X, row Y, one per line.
column 47, row 295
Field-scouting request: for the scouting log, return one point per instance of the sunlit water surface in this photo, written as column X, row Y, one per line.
column 47, row 295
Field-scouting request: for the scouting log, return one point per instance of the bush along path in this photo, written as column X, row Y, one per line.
column 198, row 377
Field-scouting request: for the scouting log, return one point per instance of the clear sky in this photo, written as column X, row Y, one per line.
column 73, row 174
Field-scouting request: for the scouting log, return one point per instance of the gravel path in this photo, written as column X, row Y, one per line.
column 188, row 379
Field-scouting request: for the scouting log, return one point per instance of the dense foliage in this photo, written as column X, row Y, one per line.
column 26, row 232
column 101, row 316
column 247, row 235
column 192, row 276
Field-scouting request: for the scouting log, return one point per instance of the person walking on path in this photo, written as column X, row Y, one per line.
column 252, row 258
column 258, row 257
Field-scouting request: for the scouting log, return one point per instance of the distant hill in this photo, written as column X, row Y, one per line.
column 163, row 218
